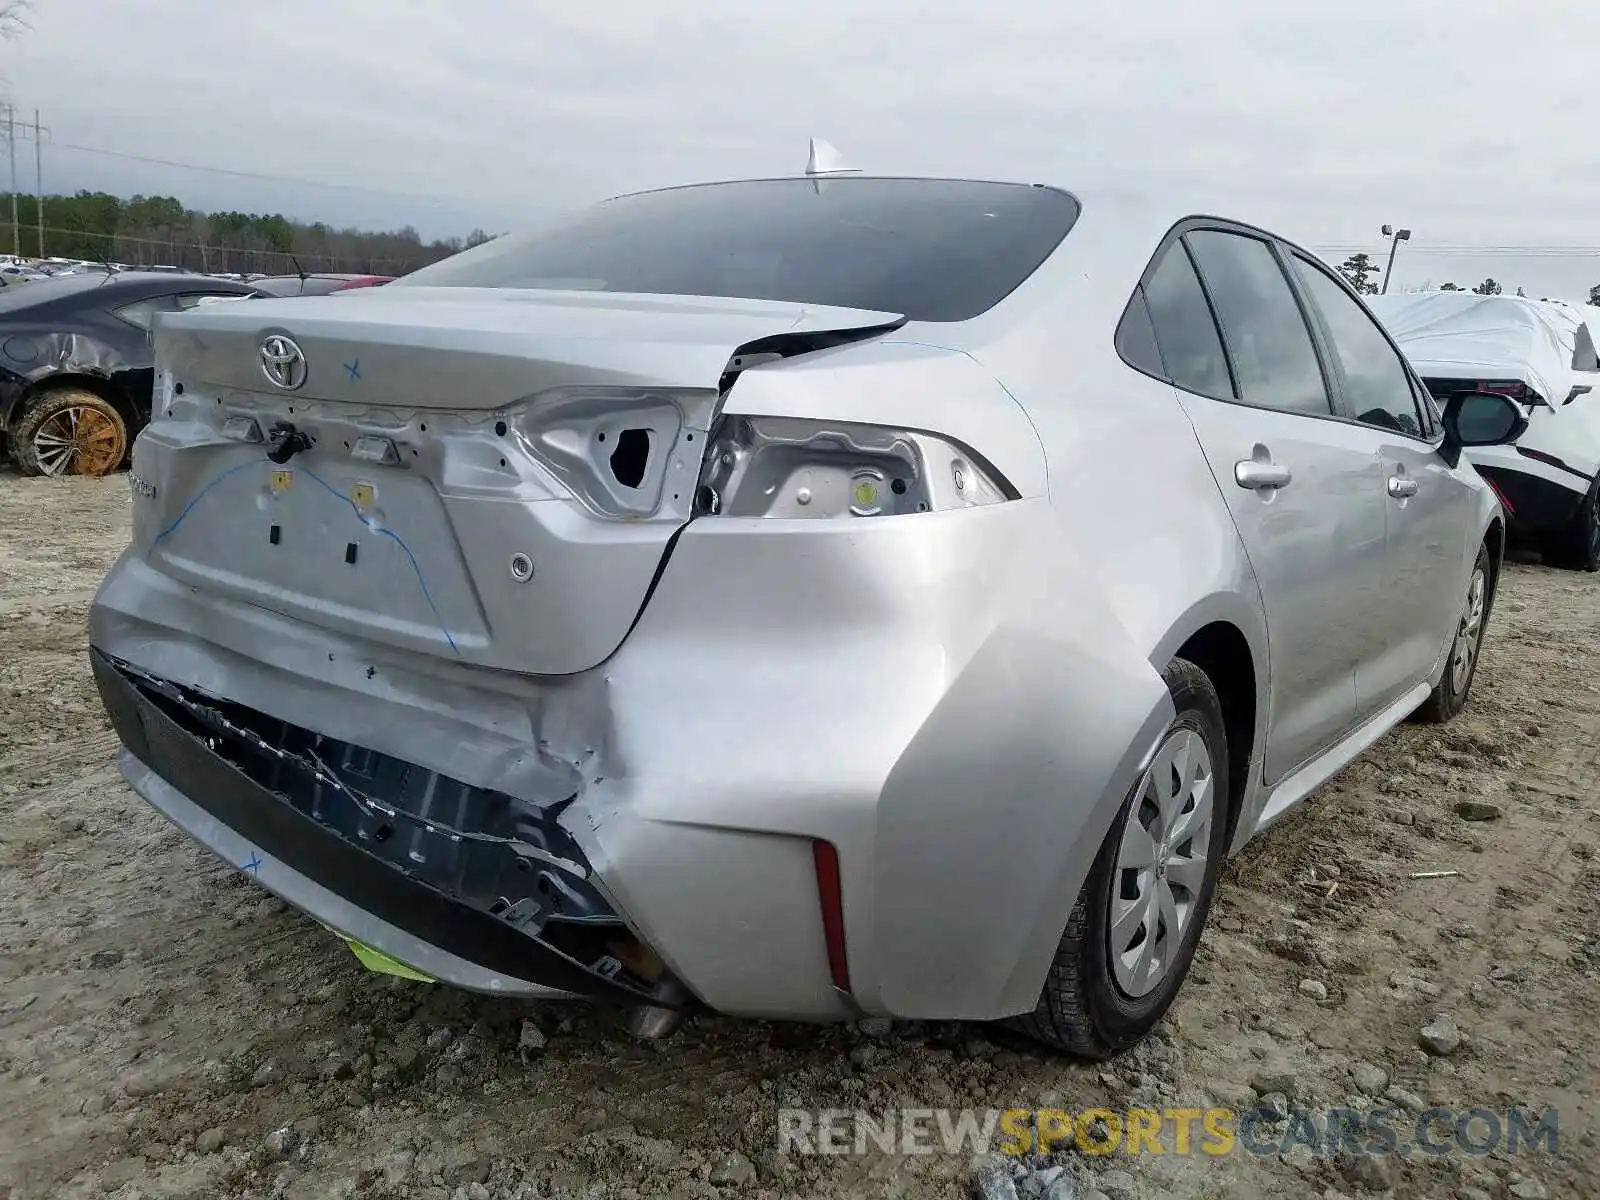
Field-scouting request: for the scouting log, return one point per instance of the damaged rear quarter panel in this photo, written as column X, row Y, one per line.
column 870, row 723
column 32, row 358
column 903, row 381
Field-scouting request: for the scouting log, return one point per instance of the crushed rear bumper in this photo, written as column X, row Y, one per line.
column 920, row 711
column 408, row 904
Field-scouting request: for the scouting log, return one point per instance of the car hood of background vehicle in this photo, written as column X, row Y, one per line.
column 493, row 346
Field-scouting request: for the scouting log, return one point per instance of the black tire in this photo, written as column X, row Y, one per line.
column 1082, row 1009
column 103, row 440
column 1450, row 696
column 1577, row 548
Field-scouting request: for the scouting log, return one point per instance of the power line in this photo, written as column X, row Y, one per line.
column 1462, row 249
column 271, row 177
column 239, row 174
column 152, row 241
column 227, row 253
column 1468, row 250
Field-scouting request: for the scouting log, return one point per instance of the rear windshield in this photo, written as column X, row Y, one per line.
column 929, row 249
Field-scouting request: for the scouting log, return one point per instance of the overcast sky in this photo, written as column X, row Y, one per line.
column 1471, row 122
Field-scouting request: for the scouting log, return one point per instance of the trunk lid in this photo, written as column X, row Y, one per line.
column 492, row 476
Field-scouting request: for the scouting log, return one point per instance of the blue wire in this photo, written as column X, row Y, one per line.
column 395, row 537
column 398, row 541
column 178, row 520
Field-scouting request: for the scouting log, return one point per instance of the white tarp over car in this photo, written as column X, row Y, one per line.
column 1547, row 346
column 1585, row 334
column 1461, row 335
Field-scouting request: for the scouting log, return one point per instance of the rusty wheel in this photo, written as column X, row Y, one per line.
column 70, row 432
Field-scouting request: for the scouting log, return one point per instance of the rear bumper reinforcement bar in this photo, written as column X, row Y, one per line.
column 362, row 882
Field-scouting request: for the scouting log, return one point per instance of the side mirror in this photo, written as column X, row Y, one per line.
column 1582, row 389
column 1480, row 419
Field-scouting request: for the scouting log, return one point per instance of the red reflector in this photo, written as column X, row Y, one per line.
column 1504, row 503
column 831, row 896
column 1515, row 389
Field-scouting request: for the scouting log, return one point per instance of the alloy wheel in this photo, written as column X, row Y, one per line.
column 79, row 440
column 1469, row 633
column 1161, row 863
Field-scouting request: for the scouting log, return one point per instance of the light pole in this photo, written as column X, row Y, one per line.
column 1395, row 236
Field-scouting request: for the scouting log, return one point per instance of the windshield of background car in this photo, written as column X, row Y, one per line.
column 928, row 249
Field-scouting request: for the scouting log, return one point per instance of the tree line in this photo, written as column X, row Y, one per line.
column 160, row 231
column 1362, row 273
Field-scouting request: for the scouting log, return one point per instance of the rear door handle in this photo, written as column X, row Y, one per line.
column 1401, row 486
column 1253, row 473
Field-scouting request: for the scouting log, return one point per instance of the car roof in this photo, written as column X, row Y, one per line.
column 95, row 290
column 138, row 281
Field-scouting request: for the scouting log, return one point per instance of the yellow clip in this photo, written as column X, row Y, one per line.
column 362, row 495
column 379, row 962
column 282, row 481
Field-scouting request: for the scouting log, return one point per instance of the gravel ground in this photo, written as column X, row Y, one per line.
column 167, row 1029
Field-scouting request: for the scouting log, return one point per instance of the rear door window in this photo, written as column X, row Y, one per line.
column 1187, row 336
column 1376, row 384
column 1136, row 338
column 1274, row 360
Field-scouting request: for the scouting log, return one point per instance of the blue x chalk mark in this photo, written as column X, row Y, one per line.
column 254, row 865
column 353, row 369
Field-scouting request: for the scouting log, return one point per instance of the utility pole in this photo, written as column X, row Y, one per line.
column 38, row 166
column 38, row 133
column 11, row 144
column 1395, row 236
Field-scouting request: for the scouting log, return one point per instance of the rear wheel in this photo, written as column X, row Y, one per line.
column 69, row 431
column 1132, row 934
column 1577, row 548
column 1450, row 697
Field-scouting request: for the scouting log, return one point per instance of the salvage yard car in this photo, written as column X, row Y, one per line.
column 1542, row 355
column 803, row 597
column 76, row 364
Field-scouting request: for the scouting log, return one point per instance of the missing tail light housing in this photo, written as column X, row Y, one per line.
column 802, row 468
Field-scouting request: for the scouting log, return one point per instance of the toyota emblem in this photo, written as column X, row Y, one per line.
column 282, row 362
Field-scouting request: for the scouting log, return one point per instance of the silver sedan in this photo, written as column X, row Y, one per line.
column 802, row 598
